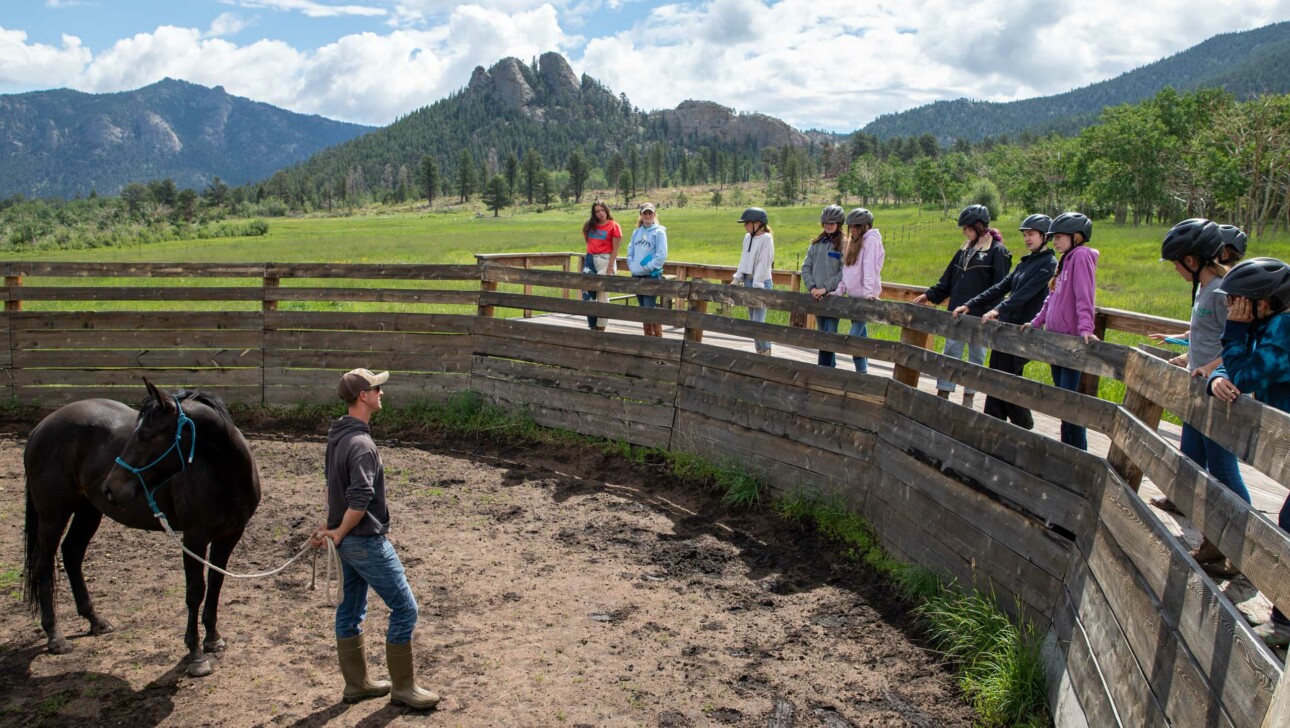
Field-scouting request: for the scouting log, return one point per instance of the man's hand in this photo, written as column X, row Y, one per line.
column 1224, row 389
column 990, row 315
column 959, row 311
column 1240, row 309
column 922, row 300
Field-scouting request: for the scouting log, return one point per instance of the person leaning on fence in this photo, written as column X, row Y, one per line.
column 980, row 262
column 1256, row 361
column 1234, row 242
column 1071, row 301
column 861, row 269
column 603, row 235
column 357, row 521
column 1026, row 288
column 646, row 254
column 756, row 262
column 1194, row 247
column 822, row 270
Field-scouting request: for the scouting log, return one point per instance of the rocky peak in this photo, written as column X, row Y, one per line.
column 709, row 119
column 557, row 76
column 156, row 134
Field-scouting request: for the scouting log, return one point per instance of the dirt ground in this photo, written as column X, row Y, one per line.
column 557, row 588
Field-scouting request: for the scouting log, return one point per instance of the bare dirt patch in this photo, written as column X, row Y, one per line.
column 558, row 587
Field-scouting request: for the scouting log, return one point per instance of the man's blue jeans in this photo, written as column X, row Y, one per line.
column 370, row 561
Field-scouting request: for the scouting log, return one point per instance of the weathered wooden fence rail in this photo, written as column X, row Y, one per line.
column 1139, row 635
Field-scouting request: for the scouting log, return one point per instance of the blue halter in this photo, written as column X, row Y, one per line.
column 184, row 421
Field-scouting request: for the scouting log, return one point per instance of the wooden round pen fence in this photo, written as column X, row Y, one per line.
column 1138, row 634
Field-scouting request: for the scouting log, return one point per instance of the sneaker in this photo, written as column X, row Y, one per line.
column 1220, row 569
column 1206, row 553
column 1273, row 633
column 1163, row 503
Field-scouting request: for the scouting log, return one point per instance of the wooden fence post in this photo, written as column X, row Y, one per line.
column 697, row 306
column 567, row 291
column 485, row 287
column 270, row 282
column 798, row 319
column 921, row 339
column 13, row 282
column 1088, row 383
column 528, row 289
column 1140, row 406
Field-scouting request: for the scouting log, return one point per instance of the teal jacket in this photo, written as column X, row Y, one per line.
column 1256, row 357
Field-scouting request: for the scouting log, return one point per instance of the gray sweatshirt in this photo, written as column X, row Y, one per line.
column 822, row 267
column 355, row 477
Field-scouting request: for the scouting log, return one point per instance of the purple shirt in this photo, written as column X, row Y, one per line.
column 1069, row 308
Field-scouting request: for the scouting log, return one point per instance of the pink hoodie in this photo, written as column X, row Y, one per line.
column 863, row 280
column 1069, row 308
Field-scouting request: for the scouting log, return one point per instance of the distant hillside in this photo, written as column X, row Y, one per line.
column 1246, row 64
column 62, row 143
column 516, row 106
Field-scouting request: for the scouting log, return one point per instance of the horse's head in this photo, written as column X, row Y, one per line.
column 158, row 448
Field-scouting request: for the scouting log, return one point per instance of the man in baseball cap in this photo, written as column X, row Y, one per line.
column 357, row 521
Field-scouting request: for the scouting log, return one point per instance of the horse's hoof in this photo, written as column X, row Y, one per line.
column 101, row 626
column 200, row 668
column 59, row 646
column 216, row 645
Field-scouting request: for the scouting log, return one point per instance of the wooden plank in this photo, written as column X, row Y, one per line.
column 377, row 295
column 451, row 360
column 131, row 395
column 586, row 281
column 906, row 374
column 131, row 320
column 1080, row 666
column 651, row 391
column 613, row 428
column 138, row 339
column 1221, row 661
column 630, row 344
column 830, row 407
column 112, row 358
column 1039, row 455
column 137, row 293
column 1012, row 486
column 666, row 316
column 287, row 342
column 1279, row 712
column 603, row 407
column 402, row 271
column 399, row 381
column 136, row 270
column 1255, row 433
column 1127, row 686
column 838, row 381
column 829, row 464
column 1256, row 545
column 1140, row 323
column 1149, row 413
column 753, row 416
column 589, row 360
column 442, row 323
column 172, row 378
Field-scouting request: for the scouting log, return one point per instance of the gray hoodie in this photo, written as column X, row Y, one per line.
column 355, row 477
column 822, row 267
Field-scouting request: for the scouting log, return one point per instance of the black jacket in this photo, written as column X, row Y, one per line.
column 970, row 273
column 1028, row 284
column 355, row 477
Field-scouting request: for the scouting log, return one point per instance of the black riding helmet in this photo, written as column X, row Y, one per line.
column 832, row 213
column 859, row 216
column 1234, row 238
column 755, row 214
column 1071, row 223
column 1257, row 279
column 1196, row 237
column 973, row 214
column 1039, row 223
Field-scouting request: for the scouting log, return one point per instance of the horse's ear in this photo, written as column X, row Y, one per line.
column 162, row 400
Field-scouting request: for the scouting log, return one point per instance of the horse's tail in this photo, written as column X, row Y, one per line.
column 30, row 586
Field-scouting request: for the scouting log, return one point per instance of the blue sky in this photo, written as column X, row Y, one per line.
column 831, row 64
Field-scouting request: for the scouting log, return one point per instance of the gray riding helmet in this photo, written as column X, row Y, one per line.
column 859, row 216
column 833, row 213
column 1234, row 238
column 973, row 214
column 1038, row 223
column 1257, row 279
column 755, row 214
column 1071, row 223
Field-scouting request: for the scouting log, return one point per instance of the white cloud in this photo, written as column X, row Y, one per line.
column 310, row 8
column 36, row 64
column 228, row 24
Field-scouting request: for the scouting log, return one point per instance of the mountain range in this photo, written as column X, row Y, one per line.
column 63, row 143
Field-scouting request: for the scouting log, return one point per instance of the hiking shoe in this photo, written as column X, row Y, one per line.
column 1273, row 633
column 1206, row 552
column 1163, row 503
column 1220, row 569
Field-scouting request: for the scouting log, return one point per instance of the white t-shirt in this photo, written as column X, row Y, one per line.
column 756, row 258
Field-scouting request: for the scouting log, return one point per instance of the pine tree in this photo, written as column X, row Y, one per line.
column 625, row 186
column 429, row 178
column 614, row 169
column 496, row 194
column 465, row 175
column 512, row 171
column 532, row 172
column 578, row 170
column 634, row 164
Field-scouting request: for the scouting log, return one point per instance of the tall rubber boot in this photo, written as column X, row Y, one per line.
column 403, row 675
column 353, row 667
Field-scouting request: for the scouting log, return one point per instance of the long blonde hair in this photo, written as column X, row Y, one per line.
column 640, row 218
column 855, row 243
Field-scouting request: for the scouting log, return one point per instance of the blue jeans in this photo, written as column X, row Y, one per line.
column 954, row 350
column 646, row 301
column 858, row 328
column 830, row 325
column 1220, row 463
column 370, row 561
column 758, row 314
column 1068, row 379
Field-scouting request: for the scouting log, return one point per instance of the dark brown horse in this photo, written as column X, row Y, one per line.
column 97, row 457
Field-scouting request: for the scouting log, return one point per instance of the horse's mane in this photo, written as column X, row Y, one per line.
column 150, row 405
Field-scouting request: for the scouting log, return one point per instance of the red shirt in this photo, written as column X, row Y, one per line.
column 601, row 237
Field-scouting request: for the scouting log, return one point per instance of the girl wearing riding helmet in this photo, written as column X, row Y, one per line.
column 1256, row 359
column 1028, row 286
column 822, row 270
column 1234, row 241
column 979, row 263
column 861, row 269
column 756, row 259
column 1070, row 303
column 646, row 254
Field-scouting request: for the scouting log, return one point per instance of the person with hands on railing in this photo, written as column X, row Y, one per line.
column 980, row 262
column 1194, row 247
column 603, row 236
column 756, row 261
column 822, row 270
column 1026, row 288
column 646, row 254
column 1071, row 301
column 861, row 269
column 1256, row 360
